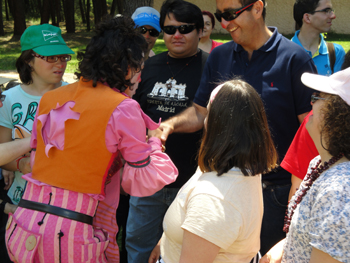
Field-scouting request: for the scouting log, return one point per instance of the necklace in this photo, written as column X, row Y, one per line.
column 305, row 186
column 173, row 75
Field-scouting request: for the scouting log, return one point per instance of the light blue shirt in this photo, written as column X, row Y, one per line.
column 322, row 60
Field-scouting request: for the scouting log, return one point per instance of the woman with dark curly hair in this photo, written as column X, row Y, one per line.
column 317, row 220
column 80, row 134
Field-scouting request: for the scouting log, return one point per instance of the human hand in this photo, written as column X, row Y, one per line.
column 274, row 255
column 154, row 254
column 167, row 128
column 9, row 176
column 24, row 165
column 163, row 131
column 10, row 208
column 154, row 133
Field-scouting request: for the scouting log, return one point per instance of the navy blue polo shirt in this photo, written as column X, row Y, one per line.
column 275, row 72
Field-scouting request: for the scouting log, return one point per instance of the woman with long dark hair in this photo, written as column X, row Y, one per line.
column 217, row 214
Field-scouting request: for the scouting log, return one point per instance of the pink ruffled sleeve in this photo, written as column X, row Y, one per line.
column 147, row 168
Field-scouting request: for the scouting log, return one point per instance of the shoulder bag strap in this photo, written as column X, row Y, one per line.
column 331, row 55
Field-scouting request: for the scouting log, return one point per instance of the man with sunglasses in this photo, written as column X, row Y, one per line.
column 169, row 82
column 312, row 18
column 273, row 65
column 147, row 20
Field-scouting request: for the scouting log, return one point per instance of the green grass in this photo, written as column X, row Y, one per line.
column 10, row 48
column 340, row 39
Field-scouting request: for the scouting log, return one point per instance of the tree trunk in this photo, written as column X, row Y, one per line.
column 88, row 5
column 19, row 17
column 38, row 5
column 103, row 4
column 45, row 12
column 113, row 8
column 82, row 12
column 130, row 6
column 29, row 5
column 97, row 11
column 58, row 11
column 2, row 32
column 69, row 15
column 120, row 5
column 10, row 6
column 64, row 3
column 53, row 13
column 100, row 9
column 6, row 11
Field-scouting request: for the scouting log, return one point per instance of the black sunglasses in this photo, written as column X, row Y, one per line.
column 152, row 32
column 232, row 14
column 183, row 29
column 314, row 98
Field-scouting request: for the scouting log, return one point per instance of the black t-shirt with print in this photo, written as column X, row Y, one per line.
column 160, row 96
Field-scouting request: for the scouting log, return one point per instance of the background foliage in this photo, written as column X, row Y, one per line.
column 77, row 19
column 88, row 12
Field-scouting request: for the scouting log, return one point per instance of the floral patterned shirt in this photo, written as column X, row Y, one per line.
column 322, row 219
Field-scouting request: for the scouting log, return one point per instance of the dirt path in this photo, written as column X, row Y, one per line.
column 68, row 77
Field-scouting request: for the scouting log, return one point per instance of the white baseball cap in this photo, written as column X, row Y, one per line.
column 338, row 83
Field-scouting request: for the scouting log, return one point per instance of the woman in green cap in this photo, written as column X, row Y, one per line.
column 40, row 66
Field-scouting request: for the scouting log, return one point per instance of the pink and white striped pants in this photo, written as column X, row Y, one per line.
column 34, row 236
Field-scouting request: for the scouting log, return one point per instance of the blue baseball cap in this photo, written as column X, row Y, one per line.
column 146, row 16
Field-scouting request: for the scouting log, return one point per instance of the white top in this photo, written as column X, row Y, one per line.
column 226, row 210
column 322, row 219
column 17, row 113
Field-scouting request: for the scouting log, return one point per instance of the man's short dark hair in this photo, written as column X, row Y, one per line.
column 302, row 7
column 183, row 11
column 247, row 2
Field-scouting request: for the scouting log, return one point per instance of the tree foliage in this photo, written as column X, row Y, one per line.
column 88, row 12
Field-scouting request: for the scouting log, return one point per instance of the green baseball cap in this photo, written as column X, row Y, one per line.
column 45, row 40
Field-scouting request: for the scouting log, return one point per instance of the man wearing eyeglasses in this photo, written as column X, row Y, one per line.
column 147, row 20
column 273, row 65
column 312, row 18
column 169, row 82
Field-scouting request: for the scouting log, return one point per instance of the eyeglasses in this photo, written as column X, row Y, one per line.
column 232, row 14
column 315, row 98
column 327, row 10
column 183, row 29
column 152, row 32
column 53, row 59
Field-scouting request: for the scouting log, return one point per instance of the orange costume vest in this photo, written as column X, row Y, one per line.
column 82, row 165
